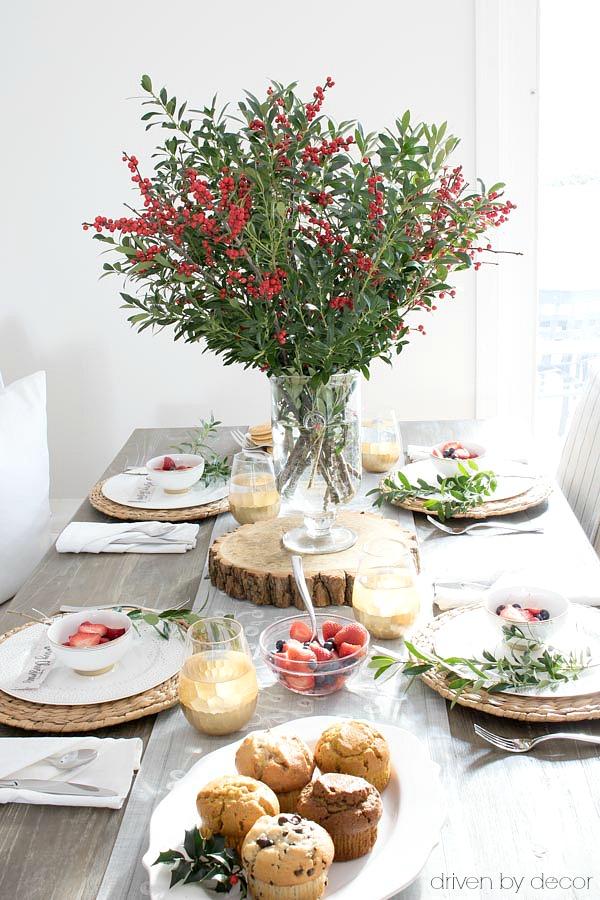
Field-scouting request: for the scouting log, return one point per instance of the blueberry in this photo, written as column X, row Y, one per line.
column 517, row 605
column 329, row 645
column 313, row 665
column 500, row 608
column 306, row 644
column 544, row 614
column 326, row 680
column 449, row 454
column 280, row 646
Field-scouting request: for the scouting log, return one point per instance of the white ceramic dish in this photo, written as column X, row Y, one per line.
column 139, row 492
column 447, row 467
column 543, row 631
column 508, row 485
column 175, row 481
column 414, row 809
column 473, row 631
column 90, row 660
column 150, row 661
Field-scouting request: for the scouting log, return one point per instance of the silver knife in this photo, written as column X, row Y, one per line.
column 56, row 787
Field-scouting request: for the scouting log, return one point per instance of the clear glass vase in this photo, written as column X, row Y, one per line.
column 316, row 450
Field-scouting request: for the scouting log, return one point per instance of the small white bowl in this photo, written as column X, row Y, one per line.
column 532, row 597
column 448, row 467
column 90, row 660
column 176, row 481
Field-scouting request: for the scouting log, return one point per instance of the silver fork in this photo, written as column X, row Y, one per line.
column 238, row 436
column 479, row 526
column 522, row 745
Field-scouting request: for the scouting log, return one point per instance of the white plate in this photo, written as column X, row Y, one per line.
column 414, row 810
column 149, row 661
column 509, row 485
column 138, row 491
column 472, row 632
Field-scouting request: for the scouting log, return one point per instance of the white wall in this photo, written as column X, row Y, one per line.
column 70, row 71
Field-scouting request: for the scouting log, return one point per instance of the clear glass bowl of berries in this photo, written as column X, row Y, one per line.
column 538, row 614
column 319, row 667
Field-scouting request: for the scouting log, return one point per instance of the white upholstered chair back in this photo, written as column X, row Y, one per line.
column 579, row 467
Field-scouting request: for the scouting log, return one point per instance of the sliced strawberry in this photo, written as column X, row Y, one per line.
column 514, row 614
column 83, row 640
column 296, row 651
column 437, row 452
column 354, row 633
column 93, row 628
column 113, row 633
column 168, row 464
column 104, row 640
column 533, row 610
column 452, row 445
column 181, row 468
column 300, row 682
column 329, row 629
column 349, row 649
column 300, row 631
column 460, row 453
column 321, row 653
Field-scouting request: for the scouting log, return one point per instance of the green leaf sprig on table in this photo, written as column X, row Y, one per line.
column 167, row 622
column 215, row 467
column 531, row 665
column 207, row 860
column 459, row 493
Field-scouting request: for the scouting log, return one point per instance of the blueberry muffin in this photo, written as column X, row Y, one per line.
column 355, row 747
column 231, row 804
column 348, row 808
column 282, row 761
column 287, row 858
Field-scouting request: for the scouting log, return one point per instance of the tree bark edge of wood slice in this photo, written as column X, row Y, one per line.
column 251, row 563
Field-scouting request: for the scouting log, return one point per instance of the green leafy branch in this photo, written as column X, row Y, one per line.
column 459, row 493
column 205, row 860
column 531, row 664
column 215, row 467
column 167, row 622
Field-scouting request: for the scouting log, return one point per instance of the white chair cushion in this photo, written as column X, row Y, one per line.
column 579, row 469
column 24, row 481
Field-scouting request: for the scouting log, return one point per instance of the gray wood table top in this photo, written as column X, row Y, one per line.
column 514, row 823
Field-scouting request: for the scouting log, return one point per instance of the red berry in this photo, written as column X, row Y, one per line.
column 300, row 682
column 93, row 628
column 84, row 640
column 349, row 649
column 168, row 464
column 300, row 631
column 355, row 633
column 113, row 633
column 321, row 653
column 296, row 651
column 329, row 629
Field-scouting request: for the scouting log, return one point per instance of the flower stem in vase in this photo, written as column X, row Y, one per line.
column 317, row 456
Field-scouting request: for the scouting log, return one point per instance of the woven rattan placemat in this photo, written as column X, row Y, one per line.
column 136, row 514
column 540, row 489
column 59, row 719
column 509, row 706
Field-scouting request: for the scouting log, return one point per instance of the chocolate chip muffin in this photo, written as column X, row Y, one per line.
column 231, row 804
column 287, row 858
column 355, row 747
column 283, row 761
column 349, row 809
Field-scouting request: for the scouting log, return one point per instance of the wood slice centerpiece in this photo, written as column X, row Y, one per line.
column 251, row 562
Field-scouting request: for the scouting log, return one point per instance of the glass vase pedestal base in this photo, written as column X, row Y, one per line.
column 307, row 539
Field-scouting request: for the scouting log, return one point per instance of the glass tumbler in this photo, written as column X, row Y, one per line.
column 253, row 494
column 217, row 683
column 380, row 442
column 386, row 597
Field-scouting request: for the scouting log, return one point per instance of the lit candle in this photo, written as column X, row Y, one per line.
column 386, row 601
column 253, row 498
column 379, row 456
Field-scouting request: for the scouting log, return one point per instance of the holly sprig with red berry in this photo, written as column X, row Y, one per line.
column 207, row 861
column 289, row 243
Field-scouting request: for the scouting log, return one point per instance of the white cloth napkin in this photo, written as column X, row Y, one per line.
column 112, row 769
column 127, row 537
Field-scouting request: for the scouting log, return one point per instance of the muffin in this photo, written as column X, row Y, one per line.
column 287, row 858
column 230, row 806
column 349, row 809
column 355, row 748
column 283, row 761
